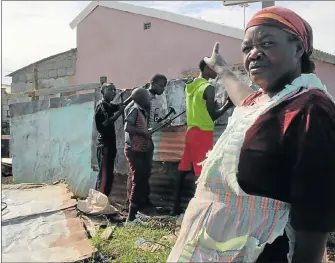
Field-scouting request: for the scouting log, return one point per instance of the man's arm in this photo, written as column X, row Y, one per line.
column 117, row 114
column 209, row 97
column 130, row 125
column 99, row 119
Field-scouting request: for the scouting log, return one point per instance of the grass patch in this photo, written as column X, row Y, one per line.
column 121, row 247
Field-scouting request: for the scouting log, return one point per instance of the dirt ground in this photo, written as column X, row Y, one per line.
column 109, row 246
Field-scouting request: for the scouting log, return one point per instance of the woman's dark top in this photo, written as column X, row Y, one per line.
column 289, row 155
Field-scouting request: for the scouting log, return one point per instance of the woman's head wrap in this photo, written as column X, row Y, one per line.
column 286, row 20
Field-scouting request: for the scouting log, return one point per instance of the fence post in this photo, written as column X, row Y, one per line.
column 103, row 80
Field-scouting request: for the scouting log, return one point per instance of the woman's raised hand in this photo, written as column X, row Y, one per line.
column 216, row 61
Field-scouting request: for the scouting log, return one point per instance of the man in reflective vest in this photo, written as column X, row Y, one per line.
column 201, row 112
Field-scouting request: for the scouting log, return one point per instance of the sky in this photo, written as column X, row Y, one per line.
column 33, row 30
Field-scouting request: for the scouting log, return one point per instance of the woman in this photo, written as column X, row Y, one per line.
column 273, row 167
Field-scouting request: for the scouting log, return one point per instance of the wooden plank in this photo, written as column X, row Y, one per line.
column 6, row 160
column 51, row 91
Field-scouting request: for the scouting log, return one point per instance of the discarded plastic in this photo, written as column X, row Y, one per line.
column 140, row 242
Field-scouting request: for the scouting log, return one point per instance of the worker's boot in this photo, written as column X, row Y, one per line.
column 179, row 182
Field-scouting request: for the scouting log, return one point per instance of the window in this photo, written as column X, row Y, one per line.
column 147, row 26
column 8, row 115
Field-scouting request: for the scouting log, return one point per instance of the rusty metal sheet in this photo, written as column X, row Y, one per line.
column 40, row 224
column 169, row 142
column 161, row 185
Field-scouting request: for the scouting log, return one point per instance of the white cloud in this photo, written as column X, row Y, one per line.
column 34, row 30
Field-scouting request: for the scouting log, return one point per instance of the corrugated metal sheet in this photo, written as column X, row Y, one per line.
column 161, row 185
column 40, row 224
column 169, row 146
column 169, row 142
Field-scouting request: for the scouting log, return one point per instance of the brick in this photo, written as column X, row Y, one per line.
column 42, row 67
column 15, row 78
column 58, row 64
column 71, row 71
column 49, row 65
column 44, row 74
column 61, row 72
column 68, row 63
column 43, row 83
column 19, row 87
column 53, row 73
column 22, row 77
column 29, row 77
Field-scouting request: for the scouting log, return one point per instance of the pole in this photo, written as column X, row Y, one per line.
column 103, row 80
column 267, row 4
column 244, row 6
column 264, row 3
column 244, row 16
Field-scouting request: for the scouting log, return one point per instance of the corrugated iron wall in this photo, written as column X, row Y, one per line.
column 170, row 142
column 161, row 183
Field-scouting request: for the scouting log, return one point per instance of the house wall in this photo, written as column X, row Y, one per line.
column 326, row 72
column 113, row 43
column 57, row 71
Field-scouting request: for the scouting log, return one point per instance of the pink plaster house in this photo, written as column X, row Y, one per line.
column 129, row 43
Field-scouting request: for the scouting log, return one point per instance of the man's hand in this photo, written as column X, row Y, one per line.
column 229, row 103
column 168, row 122
column 216, row 61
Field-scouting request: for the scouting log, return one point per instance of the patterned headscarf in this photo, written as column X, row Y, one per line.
column 286, row 20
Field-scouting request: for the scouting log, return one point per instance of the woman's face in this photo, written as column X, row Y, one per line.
column 270, row 57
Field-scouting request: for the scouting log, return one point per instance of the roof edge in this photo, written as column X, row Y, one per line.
column 323, row 56
column 43, row 59
column 164, row 15
column 83, row 14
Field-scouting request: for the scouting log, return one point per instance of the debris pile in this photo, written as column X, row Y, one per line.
column 45, row 217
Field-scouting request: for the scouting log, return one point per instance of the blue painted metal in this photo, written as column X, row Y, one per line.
column 54, row 144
